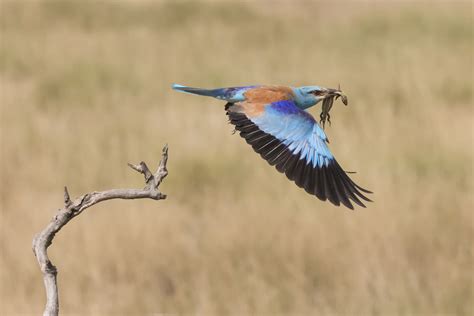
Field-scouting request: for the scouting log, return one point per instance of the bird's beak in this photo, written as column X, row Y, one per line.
column 337, row 93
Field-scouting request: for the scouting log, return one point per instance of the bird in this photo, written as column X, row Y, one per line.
column 274, row 120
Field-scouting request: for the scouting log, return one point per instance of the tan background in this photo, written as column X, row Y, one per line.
column 85, row 88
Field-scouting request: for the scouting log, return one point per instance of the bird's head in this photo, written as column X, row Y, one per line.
column 308, row 96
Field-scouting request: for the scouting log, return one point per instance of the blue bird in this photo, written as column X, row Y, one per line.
column 273, row 120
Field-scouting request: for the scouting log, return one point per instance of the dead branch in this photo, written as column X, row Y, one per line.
column 71, row 209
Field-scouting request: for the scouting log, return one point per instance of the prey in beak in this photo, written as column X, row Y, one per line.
column 331, row 95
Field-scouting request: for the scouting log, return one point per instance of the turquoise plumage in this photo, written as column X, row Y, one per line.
column 273, row 120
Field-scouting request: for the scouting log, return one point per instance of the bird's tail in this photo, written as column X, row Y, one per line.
column 215, row 93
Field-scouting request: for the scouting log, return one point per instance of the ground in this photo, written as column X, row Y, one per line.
column 85, row 88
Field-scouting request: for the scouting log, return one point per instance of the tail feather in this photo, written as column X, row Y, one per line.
column 205, row 92
column 231, row 94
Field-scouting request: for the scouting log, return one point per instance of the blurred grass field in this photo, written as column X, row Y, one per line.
column 85, row 88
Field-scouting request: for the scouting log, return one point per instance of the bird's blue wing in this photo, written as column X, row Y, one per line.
column 290, row 139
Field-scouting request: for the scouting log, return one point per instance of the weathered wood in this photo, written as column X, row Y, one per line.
column 71, row 209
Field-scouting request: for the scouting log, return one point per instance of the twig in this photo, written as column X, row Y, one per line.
column 71, row 209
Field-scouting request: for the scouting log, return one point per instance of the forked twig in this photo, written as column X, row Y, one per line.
column 71, row 209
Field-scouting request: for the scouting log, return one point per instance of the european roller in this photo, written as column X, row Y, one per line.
column 274, row 121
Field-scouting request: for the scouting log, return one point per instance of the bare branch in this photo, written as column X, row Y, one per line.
column 143, row 169
column 71, row 209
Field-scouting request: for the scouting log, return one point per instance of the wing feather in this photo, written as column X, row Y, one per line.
column 291, row 140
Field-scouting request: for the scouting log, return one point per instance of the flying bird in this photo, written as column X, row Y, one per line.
column 274, row 121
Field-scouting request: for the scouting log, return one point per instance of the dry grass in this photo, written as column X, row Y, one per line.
column 85, row 87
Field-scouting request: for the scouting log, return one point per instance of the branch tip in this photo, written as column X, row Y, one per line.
column 67, row 198
column 134, row 167
column 163, row 161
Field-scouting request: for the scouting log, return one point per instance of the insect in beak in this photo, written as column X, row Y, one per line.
column 332, row 94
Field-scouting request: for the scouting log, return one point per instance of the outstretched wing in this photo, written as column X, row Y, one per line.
column 292, row 141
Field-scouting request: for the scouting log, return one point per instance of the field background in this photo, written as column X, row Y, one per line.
column 85, row 88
